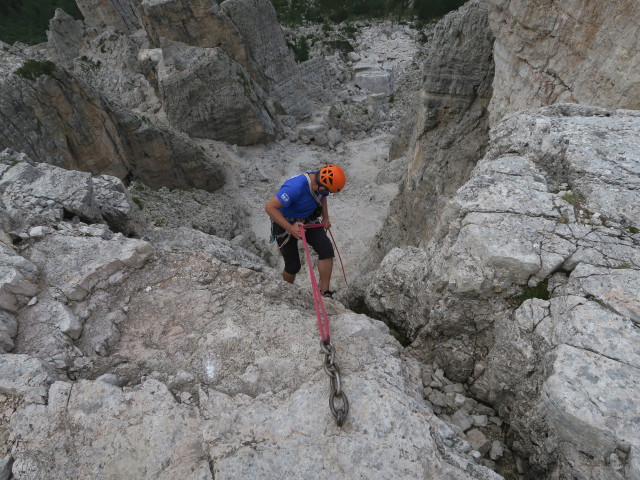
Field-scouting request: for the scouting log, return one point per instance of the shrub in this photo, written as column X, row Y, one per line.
column 32, row 69
column 137, row 201
column 575, row 199
column 301, row 50
column 541, row 291
column 341, row 45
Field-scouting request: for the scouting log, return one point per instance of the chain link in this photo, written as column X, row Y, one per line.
column 333, row 372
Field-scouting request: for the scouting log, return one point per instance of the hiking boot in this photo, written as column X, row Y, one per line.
column 328, row 294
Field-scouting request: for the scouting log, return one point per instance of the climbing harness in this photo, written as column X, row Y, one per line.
column 331, row 369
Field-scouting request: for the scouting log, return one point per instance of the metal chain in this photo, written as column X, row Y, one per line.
column 332, row 370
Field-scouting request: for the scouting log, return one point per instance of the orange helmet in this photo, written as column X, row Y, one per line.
column 332, row 177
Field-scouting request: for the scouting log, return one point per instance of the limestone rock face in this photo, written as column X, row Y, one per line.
column 445, row 134
column 233, row 110
column 65, row 37
column 198, row 23
column 121, row 14
column 83, row 130
column 257, row 22
column 39, row 194
column 548, row 214
column 247, row 32
column 25, row 376
column 202, row 353
column 157, row 436
column 573, row 51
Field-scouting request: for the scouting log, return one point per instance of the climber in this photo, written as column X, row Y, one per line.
column 302, row 200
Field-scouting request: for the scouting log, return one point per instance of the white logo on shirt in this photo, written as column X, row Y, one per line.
column 284, row 197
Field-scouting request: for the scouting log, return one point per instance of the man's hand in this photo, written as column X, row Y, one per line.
column 327, row 223
column 295, row 230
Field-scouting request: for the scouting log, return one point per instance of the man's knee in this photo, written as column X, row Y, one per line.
column 292, row 268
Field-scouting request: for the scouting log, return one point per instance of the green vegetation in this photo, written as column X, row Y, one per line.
column 541, row 291
column 574, row 199
column 633, row 230
column 32, row 69
column 294, row 12
column 27, row 21
column 135, row 199
column 341, row 45
column 301, row 50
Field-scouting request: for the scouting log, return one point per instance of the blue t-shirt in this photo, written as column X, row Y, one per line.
column 296, row 197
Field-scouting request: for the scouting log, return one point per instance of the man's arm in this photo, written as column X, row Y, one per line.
column 325, row 213
column 272, row 208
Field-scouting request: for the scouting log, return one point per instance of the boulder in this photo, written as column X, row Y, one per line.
column 39, row 195
column 25, row 376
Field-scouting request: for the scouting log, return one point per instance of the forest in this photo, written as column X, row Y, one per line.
column 27, row 21
column 294, row 12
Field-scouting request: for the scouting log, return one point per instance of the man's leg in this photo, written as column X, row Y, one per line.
column 291, row 257
column 325, row 267
column 317, row 238
column 288, row 277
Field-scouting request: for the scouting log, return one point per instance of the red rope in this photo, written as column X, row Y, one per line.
column 321, row 313
column 341, row 264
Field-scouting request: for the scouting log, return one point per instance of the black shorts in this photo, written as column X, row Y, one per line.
column 316, row 237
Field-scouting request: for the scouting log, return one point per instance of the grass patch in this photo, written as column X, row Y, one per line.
column 32, row 69
column 301, row 50
column 633, row 230
column 135, row 199
column 540, row 291
column 575, row 199
column 622, row 267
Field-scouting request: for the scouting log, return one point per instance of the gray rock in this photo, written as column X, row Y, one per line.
column 74, row 268
column 163, row 438
column 374, row 80
column 478, row 441
column 67, row 321
column 462, row 420
column 5, row 468
column 25, row 376
column 117, row 207
column 444, row 133
column 18, row 278
column 258, row 24
column 82, row 129
column 205, row 25
column 121, row 14
column 187, row 311
column 232, row 111
column 64, row 37
column 523, row 222
column 186, row 239
column 497, row 450
column 536, row 69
